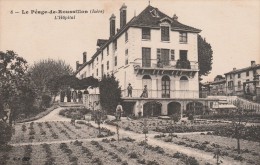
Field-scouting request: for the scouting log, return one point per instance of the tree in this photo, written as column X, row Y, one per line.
column 16, row 88
column 46, row 73
column 110, row 93
column 205, row 56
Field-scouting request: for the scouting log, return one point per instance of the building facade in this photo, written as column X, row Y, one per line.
column 243, row 81
column 153, row 50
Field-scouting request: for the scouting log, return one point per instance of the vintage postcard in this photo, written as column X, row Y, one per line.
column 128, row 82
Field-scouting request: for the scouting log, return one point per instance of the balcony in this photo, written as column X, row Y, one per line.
column 181, row 94
column 175, row 68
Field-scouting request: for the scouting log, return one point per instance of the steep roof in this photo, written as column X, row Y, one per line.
column 147, row 19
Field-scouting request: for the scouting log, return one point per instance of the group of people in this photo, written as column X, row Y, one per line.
column 72, row 95
column 144, row 93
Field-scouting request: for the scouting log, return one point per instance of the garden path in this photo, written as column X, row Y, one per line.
column 198, row 154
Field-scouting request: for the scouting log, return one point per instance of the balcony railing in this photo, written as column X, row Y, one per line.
column 171, row 64
column 162, row 94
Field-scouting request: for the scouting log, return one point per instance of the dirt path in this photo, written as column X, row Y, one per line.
column 53, row 116
column 198, row 154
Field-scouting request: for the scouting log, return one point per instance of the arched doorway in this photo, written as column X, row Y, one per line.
column 166, row 87
column 152, row 109
column 174, row 108
column 195, row 108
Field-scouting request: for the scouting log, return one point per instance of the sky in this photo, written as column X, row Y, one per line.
column 232, row 27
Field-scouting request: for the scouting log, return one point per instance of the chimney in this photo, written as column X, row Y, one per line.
column 84, row 57
column 123, row 15
column 112, row 25
column 77, row 65
column 234, row 68
column 252, row 63
column 175, row 18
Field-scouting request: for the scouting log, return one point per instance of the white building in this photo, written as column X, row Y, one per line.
column 243, row 81
column 133, row 53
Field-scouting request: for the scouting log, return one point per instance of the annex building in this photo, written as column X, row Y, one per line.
column 155, row 50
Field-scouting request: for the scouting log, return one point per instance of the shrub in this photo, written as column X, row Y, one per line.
column 128, row 139
column 141, row 161
column 124, row 163
column 97, row 160
column 46, row 101
column 133, row 155
column 24, row 128
column 152, row 162
column 122, row 150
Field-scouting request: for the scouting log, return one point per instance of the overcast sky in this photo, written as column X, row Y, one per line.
column 232, row 27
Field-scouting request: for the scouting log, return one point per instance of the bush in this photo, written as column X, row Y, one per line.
column 5, row 133
column 133, row 155
column 46, row 101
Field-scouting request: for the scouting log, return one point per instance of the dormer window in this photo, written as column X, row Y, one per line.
column 165, row 33
column 154, row 13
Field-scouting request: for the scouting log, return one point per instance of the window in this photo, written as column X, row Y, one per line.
column 231, row 76
column 102, row 69
column 102, row 56
column 164, row 56
column 97, row 72
column 239, row 85
column 146, row 33
column 115, row 60
column 97, row 59
column 126, row 56
column 183, row 55
column 172, row 55
column 158, row 53
column 230, row 85
column 183, row 37
column 107, row 65
column 238, row 75
column 165, row 87
column 126, row 36
column 115, row 45
column 146, row 57
column 247, row 73
column 165, row 34
column 107, row 49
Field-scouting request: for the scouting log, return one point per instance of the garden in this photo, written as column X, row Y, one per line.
column 56, row 131
column 102, row 152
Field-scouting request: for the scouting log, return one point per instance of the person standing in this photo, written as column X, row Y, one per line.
column 129, row 90
column 62, row 95
column 119, row 111
column 145, row 92
column 68, row 94
column 74, row 96
column 79, row 96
